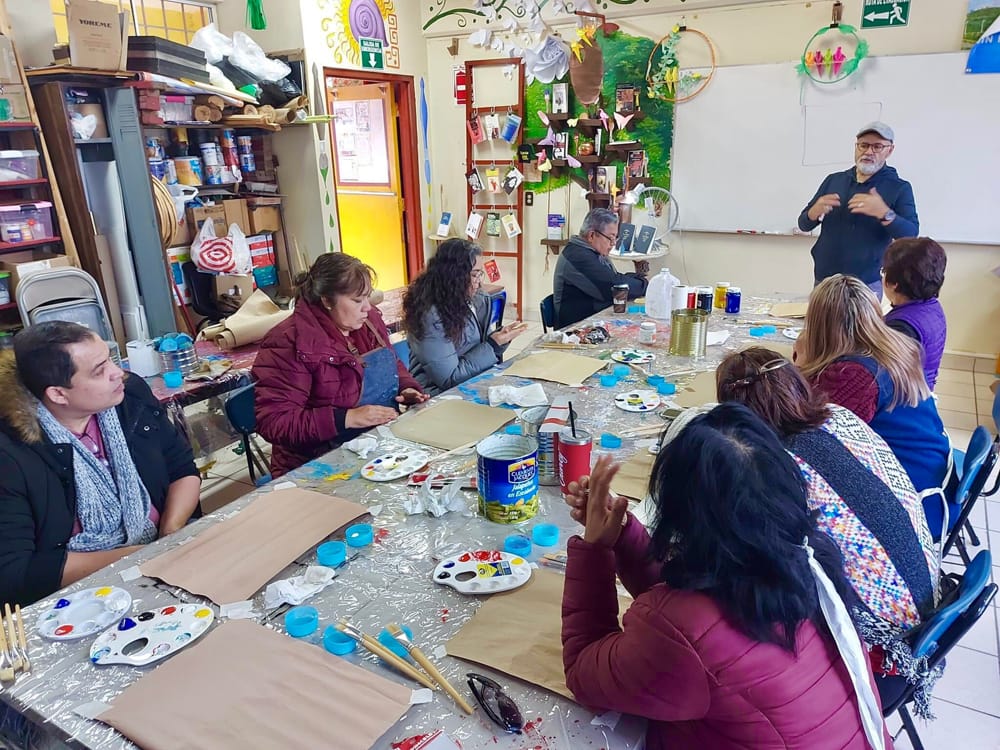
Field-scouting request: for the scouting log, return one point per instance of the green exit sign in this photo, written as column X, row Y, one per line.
column 879, row 13
column 372, row 55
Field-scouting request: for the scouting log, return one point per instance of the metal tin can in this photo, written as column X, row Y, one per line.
column 688, row 332
column 154, row 149
column 247, row 163
column 704, row 298
column 647, row 332
column 531, row 422
column 507, row 478
column 189, row 170
column 228, row 139
column 719, row 300
column 171, row 169
column 244, row 143
column 209, row 155
column 213, row 174
column 733, row 299
column 158, row 169
column 574, row 456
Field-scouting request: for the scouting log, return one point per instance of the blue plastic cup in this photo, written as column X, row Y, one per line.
column 331, row 554
column 622, row 371
column 388, row 640
column 173, row 379
column 666, row 389
column 517, row 544
column 654, row 380
column 545, row 534
column 610, row 441
column 609, row 381
column 336, row 642
column 301, row 621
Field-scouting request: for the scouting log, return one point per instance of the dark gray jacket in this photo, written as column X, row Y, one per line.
column 582, row 283
column 438, row 363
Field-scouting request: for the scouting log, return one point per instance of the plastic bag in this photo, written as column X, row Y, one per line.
column 279, row 93
column 229, row 254
column 248, row 55
column 212, row 42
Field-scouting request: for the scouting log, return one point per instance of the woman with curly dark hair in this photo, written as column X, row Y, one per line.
column 447, row 320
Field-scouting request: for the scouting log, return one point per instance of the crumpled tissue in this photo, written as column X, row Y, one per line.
column 529, row 395
column 423, row 499
column 297, row 589
column 715, row 338
column 363, row 445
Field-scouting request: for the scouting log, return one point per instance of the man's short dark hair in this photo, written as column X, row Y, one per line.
column 42, row 356
column 916, row 266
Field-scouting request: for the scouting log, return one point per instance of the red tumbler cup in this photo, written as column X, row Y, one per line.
column 574, row 456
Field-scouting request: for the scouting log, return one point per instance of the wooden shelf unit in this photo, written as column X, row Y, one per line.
column 515, row 202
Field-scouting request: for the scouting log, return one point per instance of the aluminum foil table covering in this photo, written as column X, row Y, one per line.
column 389, row 581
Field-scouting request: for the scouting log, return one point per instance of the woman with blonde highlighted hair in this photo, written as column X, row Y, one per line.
column 848, row 352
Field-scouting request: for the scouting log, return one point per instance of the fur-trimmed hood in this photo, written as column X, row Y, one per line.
column 18, row 408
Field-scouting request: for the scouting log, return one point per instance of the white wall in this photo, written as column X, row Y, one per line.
column 754, row 32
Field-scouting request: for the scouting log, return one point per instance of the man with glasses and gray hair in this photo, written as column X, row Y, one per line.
column 861, row 210
column 584, row 275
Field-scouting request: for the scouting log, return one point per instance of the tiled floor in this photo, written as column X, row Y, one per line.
column 967, row 698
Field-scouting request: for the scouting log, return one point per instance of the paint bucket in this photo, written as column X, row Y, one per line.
column 213, row 174
column 209, row 155
column 531, row 420
column 189, row 170
column 508, row 478
column 688, row 332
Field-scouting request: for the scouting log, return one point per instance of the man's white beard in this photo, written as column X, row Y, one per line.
column 868, row 168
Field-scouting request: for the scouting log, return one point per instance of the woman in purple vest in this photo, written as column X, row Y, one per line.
column 912, row 274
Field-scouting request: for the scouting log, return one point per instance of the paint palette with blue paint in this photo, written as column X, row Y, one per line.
column 637, row 401
column 152, row 635
column 632, row 356
column 394, row 465
column 84, row 613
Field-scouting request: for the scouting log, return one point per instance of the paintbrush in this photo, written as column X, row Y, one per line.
column 428, row 665
column 383, row 653
column 6, row 662
column 25, row 662
column 15, row 656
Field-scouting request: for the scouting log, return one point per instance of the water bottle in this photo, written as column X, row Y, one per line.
column 658, row 294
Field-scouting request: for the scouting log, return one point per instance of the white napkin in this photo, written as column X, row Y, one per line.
column 715, row 338
column 529, row 395
column 423, row 499
column 362, row 445
column 297, row 589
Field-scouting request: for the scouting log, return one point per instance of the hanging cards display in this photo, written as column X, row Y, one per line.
column 475, row 180
column 474, row 225
column 512, row 180
column 491, row 126
column 492, row 224
column 510, row 225
column 475, row 128
column 511, row 127
column 493, row 183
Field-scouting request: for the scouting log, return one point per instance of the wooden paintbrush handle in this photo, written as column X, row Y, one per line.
column 429, row 667
column 390, row 658
column 20, row 628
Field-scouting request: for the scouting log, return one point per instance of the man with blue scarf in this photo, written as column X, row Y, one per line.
column 91, row 468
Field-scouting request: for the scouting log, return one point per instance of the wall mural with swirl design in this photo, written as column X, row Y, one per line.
column 346, row 21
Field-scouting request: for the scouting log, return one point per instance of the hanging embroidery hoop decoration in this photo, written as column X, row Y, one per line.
column 848, row 67
column 704, row 80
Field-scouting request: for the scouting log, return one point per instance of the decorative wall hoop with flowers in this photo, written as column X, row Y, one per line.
column 351, row 20
column 667, row 80
column 824, row 59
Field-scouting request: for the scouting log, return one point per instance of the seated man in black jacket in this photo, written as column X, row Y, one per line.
column 584, row 275
column 90, row 466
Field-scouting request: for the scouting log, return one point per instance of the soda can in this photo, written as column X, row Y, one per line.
column 733, row 300
column 531, row 422
column 574, row 456
column 705, row 298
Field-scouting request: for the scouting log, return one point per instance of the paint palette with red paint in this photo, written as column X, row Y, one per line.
column 483, row 572
column 84, row 613
column 152, row 635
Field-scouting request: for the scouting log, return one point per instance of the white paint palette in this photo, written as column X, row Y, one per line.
column 632, row 356
column 394, row 465
column 791, row 333
column 84, row 613
column 483, row 572
column 638, row 400
column 152, row 635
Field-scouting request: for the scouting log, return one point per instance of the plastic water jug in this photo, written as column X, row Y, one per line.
column 658, row 294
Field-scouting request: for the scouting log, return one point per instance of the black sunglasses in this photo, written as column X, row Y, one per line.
column 496, row 703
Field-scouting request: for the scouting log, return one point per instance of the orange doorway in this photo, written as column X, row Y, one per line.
column 374, row 145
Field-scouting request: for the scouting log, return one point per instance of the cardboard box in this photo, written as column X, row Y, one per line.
column 97, row 35
column 225, row 283
column 265, row 219
column 13, row 103
column 222, row 214
column 27, row 262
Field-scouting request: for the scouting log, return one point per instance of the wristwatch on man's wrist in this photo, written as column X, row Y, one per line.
column 890, row 216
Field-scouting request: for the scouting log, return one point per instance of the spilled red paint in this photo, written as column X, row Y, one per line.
column 484, row 555
column 381, row 535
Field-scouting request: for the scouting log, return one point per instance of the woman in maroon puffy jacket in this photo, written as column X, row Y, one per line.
column 327, row 373
column 725, row 645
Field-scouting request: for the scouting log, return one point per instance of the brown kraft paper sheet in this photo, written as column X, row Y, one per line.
column 559, row 367
column 244, row 686
column 451, row 423
column 232, row 560
column 519, row 633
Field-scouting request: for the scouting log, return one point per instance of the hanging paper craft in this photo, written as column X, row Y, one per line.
column 474, row 225
column 825, row 60
column 475, row 180
column 493, row 180
column 492, row 270
column 475, row 127
column 510, row 226
column 492, row 224
column 586, row 66
column 668, row 81
column 526, row 153
column 152, row 635
column 491, row 126
column 511, row 127
column 512, row 180
column 552, row 139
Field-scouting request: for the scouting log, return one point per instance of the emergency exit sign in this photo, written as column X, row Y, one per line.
column 372, row 56
column 880, row 13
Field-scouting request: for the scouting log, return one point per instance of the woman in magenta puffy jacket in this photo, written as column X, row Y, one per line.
column 725, row 645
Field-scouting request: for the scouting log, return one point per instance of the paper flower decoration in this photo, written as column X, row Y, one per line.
column 548, row 61
column 821, row 64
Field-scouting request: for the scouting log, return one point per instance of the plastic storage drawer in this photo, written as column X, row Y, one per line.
column 26, row 222
column 18, row 165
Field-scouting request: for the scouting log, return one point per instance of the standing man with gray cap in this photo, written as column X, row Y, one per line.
column 862, row 210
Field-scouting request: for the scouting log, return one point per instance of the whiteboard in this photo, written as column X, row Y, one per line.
column 750, row 152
